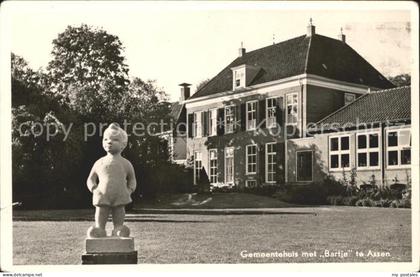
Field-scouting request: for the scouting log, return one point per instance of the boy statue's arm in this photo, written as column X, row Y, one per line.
column 131, row 178
column 92, row 180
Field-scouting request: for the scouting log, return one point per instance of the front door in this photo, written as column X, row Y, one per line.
column 304, row 166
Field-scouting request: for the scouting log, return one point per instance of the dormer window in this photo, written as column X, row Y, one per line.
column 239, row 77
column 243, row 75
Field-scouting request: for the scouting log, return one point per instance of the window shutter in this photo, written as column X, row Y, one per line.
column 280, row 159
column 236, row 121
column 220, row 121
column 243, row 116
column 261, row 163
column 261, row 113
column 221, row 165
column 280, row 112
column 205, row 123
column 190, row 125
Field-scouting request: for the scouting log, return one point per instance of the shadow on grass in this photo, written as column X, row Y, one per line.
column 215, row 212
column 127, row 220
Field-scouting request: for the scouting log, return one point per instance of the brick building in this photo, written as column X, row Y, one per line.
column 240, row 124
column 371, row 136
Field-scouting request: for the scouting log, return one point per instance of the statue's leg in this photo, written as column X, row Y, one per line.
column 101, row 216
column 118, row 215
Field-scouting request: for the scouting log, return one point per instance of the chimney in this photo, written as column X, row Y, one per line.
column 342, row 36
column 310, row 30
column 185, row 91
column 242, row 50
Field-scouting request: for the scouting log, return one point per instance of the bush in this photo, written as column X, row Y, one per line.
column 335, row 200
column 367, row 202
column 401, row 203
column 385, row 203
column 333, row 187
column 224, row 189
column 266, row 190
column 311, row 194
column 405, row 203
column 359, row 203
column 350, row 200
column 175, row 179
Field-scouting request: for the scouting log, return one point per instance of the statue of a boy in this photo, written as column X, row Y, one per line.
column 117, row 181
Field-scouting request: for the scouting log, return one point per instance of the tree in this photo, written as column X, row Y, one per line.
column 86, row 82
column 401, row 80
column 88, row 70
column 43, row 168
column 202, row 84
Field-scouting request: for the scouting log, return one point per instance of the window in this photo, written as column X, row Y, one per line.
column 251, row 159
column 291, row 108
column 339, row 152
column 251, row 115
column 398, row 147
column 197, row 125
column 213, row 122
column 304, row 165
column 197, row 166
column 270, row 163
column 368, row 150
column 229, row 119
column 239, row 78
column 251, row 183
column 348, row 98
column 213, row 165
column 229, row 165
column 271, row 112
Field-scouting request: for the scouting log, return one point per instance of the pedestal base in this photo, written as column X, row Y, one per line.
column 110, row 250
column 110, row 258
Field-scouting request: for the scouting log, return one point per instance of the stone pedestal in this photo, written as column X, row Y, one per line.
column 110, row 250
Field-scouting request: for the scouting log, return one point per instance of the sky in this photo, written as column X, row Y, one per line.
column 176, row 42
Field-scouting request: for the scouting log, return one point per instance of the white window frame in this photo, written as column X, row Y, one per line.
column 229, row 128
column 339, row 152
column 292, row 104
column 247, row 154
column 231, row 182
column 213, row 169
column 239, row 74
column 197, row 128
column 212, row 122
column 248, row 181
column 197, row 154
column 251, row 124
column 267, row 154
column 312, row 165
column 270, row 112
column 345, row 97
column 368, row 150
column 397, row 148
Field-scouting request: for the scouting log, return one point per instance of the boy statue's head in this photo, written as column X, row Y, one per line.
column 115, row 139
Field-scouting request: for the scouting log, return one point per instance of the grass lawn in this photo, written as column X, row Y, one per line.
column 181, row 238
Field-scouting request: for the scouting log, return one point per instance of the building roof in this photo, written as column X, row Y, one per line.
column 316, row 54
column 379, row 106
column 176, row 109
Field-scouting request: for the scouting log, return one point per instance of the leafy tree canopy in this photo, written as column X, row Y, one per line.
column 202, row 84
column 88, row 69
column 401, row 80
